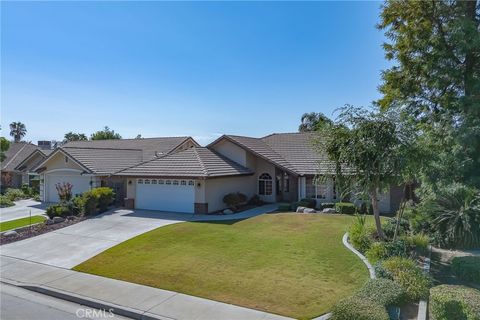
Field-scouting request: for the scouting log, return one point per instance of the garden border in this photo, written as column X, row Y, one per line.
column 347, row 244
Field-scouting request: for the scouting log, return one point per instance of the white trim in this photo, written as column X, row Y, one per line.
column 63, row 169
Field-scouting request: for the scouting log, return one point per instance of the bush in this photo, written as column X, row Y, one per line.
column 383, row 291
column 327, row 205
column 467, row 268
column 284, row 207
column 377, row 252
column 449, row 302
column 5, row 202
column 359, row 308
column 27, row 190
column 57, row 210
column 360, row 234
column 382, row 250
column 309, row 203
column 406, row 273
column 418, row 241
column 345, row 208
column 86, row 203
column 256, row 201
column 389, row 226
column 234, row 199
column 105, row 197
column 15, row 194
column 36, row 197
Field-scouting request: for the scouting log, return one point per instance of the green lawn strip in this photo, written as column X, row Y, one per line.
column 289, row 264
column 22, row 222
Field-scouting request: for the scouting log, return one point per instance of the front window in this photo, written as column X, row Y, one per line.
column 265, row 184
column 316, row 188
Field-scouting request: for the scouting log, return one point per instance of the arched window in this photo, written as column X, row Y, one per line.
column 265, row 184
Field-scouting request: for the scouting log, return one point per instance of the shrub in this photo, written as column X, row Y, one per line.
column 467, row 268
column 377, row 251
column 359, row 308
column 345, row 207
column 256, row 201
column 406, row 273
column 105, row 197
column 27, row 190
column 383, row 291
column 36, row 197
column 389, row 226
column 5, row 202
column 57, row 210
column 309, row 203
column 326, row 205
column 284, row 207
column 382, row 250
column 418, row 241
column 360, row 234
column 234, row 199
column 15, row 194
column 86, row 203
column 449, row 302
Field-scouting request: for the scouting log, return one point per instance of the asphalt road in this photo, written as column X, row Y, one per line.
column 20, row 304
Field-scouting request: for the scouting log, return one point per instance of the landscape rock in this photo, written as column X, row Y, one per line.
column 227, row 211
column 328, row 210
column 309, row 210
column 49, row 221
column 10, row 233
column 300, row 209
column 58, row 219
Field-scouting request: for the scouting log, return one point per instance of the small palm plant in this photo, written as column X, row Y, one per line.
column 455, row 213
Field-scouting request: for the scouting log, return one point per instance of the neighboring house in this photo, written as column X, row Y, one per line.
column 88, row 164
column 193, row 179
column 21, row 159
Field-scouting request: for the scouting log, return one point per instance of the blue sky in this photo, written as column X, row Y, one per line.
column 199, row 69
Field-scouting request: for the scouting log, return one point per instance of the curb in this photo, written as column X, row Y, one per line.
column 423, row 304
column 89, row 302
column 371, row 270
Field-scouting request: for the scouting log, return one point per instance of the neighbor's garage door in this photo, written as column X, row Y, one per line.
column 79, row 184
column 165, row 195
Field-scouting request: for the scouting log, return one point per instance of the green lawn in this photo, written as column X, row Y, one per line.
column 290, row 264
column 13, row 224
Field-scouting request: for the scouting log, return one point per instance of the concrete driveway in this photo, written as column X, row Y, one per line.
column 72, row 245
column 22, row 209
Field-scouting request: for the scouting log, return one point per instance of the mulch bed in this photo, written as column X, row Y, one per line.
column 38, row 229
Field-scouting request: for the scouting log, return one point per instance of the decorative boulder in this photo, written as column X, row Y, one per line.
column 49, row 221
column 58, row 219
column 227, row 211
column 10, row 233
column 309, row 210
column 300, row 209
column 328, row 210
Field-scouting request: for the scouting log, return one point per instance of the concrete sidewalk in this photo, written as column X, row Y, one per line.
column 128, row 299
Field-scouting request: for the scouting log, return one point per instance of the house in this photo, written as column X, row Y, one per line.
column 21, row 158
column 185, row 177
column 88, row 164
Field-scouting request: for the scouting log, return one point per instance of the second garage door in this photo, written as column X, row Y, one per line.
column 165, row 195
column 79, row 184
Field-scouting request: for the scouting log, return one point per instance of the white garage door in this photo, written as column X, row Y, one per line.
column 165, row 195
column 79, row 184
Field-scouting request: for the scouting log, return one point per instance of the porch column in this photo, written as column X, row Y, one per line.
column 302, row 187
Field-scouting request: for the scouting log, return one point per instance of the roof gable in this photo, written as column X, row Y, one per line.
column 17, row 153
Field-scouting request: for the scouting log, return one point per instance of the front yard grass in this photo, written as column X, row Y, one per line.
column 22, row 222
column 289, row 264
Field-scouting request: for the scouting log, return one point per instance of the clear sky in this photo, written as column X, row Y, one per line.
column 199, row 69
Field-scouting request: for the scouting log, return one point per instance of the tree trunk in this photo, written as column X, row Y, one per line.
column 400, row 212
column 376, row 213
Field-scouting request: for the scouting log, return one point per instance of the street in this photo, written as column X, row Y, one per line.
column 21, row 304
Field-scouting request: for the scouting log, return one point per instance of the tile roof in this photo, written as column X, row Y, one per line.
column 103, row 160
column 294, row 152
column 16, row 153
column 151, row 147
column 193, row 162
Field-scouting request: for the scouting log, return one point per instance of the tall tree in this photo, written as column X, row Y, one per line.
column 313, row 121
column 17, row 131
column 4, row 145
column 71, row 136
column 435, row 81
column 372, row 146
column 105, row 134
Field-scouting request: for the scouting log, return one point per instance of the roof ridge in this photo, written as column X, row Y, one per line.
column 202, row 164
column 150, row 138
column 90, row 148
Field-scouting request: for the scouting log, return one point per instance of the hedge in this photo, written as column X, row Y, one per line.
column 467, row 268
column 309, row 203
column 345, row 207
column 383, row 291
column 450, row 302
column 284, row 207
column 359, row 308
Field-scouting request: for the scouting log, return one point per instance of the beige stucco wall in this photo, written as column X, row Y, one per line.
column 216, row 189
column 58, row 162
column 232, row 151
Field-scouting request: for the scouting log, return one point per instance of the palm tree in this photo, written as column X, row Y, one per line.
column 17, row 131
